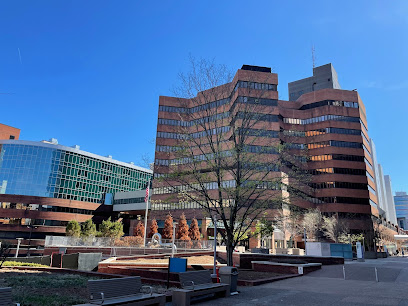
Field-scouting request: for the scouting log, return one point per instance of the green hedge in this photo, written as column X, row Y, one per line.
column 21, row 264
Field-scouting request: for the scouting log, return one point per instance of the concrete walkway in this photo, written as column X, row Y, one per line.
column 327, row 287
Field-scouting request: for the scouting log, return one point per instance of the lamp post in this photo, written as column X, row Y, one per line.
column 18, row 246
column 215, row 245
column 146, row 212
column 304, row 237
column 174, row 238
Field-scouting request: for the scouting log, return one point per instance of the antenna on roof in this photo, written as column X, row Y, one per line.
column 313, row 57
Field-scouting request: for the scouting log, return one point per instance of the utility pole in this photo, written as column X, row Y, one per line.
column 215, row 245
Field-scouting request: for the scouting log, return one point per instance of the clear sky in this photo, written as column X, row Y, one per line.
column 90, row 72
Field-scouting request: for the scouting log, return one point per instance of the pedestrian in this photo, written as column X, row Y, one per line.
column 402, row 252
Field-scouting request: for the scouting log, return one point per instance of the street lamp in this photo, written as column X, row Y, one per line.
column 174, row 238
column 18, row 246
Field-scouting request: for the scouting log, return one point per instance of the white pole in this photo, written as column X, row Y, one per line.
column 376, row 274
column 344, row 273
column 215, row 245
column 174, row 238
column 147, row 210
column 18, row 246
column 304, row 237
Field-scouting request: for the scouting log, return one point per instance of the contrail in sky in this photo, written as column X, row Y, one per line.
column 19, row 56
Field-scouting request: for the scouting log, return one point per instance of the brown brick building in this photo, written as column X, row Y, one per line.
column 329, row 122
column 9, row 132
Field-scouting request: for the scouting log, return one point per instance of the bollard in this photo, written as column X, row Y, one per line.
column 344, row 273
column 376, row 274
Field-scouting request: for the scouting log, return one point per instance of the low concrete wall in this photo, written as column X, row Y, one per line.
column 78, row 261
column 244, row 260
column 283, row 268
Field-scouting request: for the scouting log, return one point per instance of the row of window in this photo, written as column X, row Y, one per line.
column 206, row 133
column 338, row 171
column 192, row 187
column 258, row 101
column 194, row 122
column 337, row 157
column 320, row 119
column 174, row 109
column 345, row 200
column 330, row 102
column 345, row 185
column 257, row 116
column 259, row 133
column 255, row 85
column 214, row 185
column 129, row 201
column 317, row 132
column 328, row 143
column 39, row 207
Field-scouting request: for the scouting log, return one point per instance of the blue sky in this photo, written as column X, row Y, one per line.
column 91, row 72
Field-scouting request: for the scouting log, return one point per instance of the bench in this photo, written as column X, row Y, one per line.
column 5, row 297
column 123, row 291
column 197, row 283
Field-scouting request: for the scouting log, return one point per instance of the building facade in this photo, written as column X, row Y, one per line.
column 44, row 185
column 329, row 122
column 9, row 132
column 401, row 207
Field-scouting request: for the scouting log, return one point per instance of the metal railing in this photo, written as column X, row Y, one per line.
column 125, row 242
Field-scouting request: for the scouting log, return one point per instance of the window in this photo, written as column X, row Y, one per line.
column 12, row 137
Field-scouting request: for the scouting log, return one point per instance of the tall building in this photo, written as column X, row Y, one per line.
column 401, row 206
column 331, row 123
column 390, row 209
column 43, row 185
column 383, row 188
column 323, row 77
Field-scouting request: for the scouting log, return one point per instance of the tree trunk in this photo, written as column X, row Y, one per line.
column 230, row 251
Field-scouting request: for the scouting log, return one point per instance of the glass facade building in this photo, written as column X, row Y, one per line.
column 55, row 171
column 401, row 207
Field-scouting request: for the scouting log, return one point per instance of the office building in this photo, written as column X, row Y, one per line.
column 329, row 122
column 401, row 207
column 44, row 185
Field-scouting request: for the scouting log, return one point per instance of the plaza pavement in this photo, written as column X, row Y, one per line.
column 327, row 287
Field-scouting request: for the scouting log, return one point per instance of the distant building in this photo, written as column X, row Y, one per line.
column 43, row 185
column 9, row 132
column 401, row 207
column 390, row 211
column 383, row 189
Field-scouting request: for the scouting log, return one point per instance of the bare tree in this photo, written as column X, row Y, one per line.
column 334, row 228
column 228, row 160
column 312, row 220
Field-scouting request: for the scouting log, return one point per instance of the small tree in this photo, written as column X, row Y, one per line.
column 88, row 228
column 182, row 228
column 109, row 228
column 333, row 228
column 73, row 229
column 194, row 231
column 194, row 234
column 182, row 231
column 154, row 228
column 264, row 228
column 168, row 227
column 139, row 230
column 312, row 220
